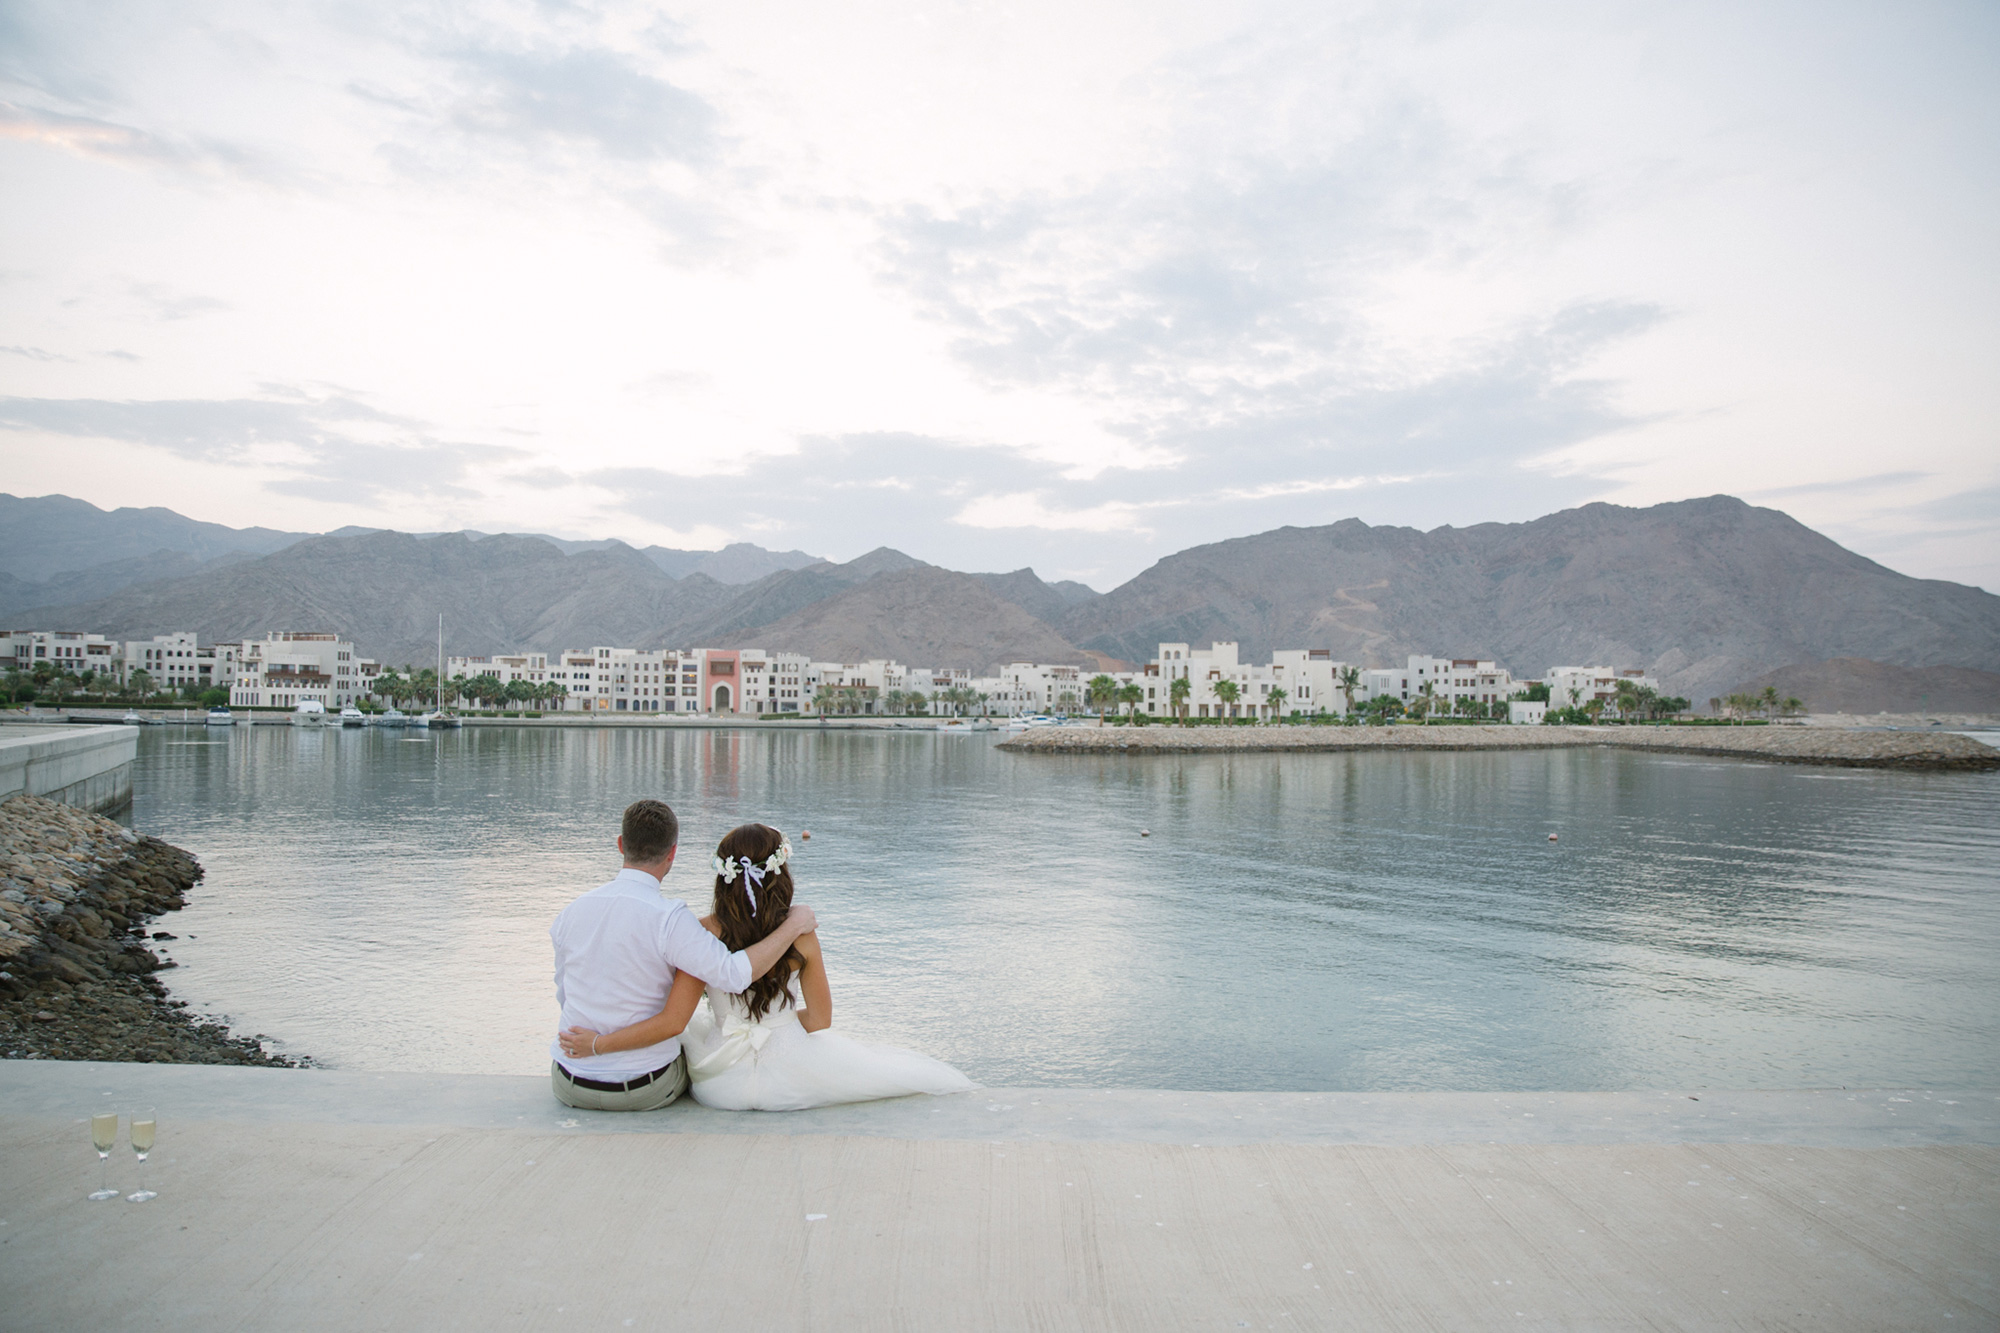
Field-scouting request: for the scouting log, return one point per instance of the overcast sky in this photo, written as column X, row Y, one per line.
column 1066, row 285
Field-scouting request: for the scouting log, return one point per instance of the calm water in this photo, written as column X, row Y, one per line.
column 1380, row 921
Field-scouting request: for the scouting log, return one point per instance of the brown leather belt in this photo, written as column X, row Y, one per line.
column 598, row 1085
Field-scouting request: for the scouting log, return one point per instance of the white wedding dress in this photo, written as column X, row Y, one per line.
column 736, row 1063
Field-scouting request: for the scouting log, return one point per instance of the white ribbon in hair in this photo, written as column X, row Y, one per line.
column 753, row 874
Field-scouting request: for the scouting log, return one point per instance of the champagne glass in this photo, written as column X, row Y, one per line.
column 142, row 1143
column 104, row 1137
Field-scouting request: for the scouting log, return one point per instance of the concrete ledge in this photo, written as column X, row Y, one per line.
column 314, row 1199
column 1828, row 1118
column 87, row 767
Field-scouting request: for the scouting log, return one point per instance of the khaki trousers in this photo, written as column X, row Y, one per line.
column 662, row 1091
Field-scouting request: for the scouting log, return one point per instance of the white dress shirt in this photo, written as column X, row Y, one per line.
column 617, row 949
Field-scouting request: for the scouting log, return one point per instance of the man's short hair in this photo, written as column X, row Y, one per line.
column 650, row 831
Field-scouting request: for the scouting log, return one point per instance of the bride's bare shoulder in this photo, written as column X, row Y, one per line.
column 713, row 925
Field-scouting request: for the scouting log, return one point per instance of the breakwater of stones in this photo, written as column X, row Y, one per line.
column 1912, row 751
column 76, row 974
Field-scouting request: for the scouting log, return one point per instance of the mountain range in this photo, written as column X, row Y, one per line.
column 1707, row 594
column 55, row 550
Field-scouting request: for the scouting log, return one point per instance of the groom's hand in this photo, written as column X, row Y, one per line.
column 800, row 920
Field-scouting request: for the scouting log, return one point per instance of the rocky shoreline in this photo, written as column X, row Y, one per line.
column 76, row 975
column 1910, row 751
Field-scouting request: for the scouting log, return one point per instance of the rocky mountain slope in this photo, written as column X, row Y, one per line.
column 53, row 534
column 1856, row 685
column 385, row 591
column 59, row 552
column 922, row 616
column 1705, row 593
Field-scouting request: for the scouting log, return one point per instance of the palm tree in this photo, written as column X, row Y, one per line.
column 1229, row 692
column 1101, row 690
column 1177, row 697
column 556, row 692
column 142, row 684
column 1276, row 698
column 1131, row 696
column 1350, row 681
column 1768, row 700
column 1420, row 707
column 1066, row 701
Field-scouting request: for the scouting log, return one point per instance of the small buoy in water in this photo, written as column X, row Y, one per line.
column 805, row 835
column 1145, row 833
column 1552, row 837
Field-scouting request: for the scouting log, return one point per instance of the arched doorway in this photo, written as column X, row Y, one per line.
column 722, row 698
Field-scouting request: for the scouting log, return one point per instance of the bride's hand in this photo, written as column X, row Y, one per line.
column 578, row 1043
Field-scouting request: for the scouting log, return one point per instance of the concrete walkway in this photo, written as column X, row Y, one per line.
column 329, row 1199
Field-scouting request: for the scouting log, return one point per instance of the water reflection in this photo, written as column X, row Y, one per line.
column 1304, row 921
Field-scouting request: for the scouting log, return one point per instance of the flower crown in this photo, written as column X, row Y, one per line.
column 728, row 868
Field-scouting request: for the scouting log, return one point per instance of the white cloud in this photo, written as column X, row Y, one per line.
column 1059, row 272
column 1026, row 509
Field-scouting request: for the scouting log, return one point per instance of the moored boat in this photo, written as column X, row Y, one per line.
column 351, row 716
column 132, row 718
column 309, row 713
column 393, row 717
column 220, row 717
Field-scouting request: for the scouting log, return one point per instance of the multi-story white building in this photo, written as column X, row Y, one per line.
column 506, row 668
column 776, row 682
column 627, row 680
column 177, row 662
column 71, row 651
column 1308, row 677
column 1039, row 687
column 286, row 668
column 1448, row 679
column 1579, row 687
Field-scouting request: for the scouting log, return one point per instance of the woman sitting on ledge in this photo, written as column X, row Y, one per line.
column 770, row 1048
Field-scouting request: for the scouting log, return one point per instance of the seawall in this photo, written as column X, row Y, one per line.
column 87, row 767
column 1914, row 751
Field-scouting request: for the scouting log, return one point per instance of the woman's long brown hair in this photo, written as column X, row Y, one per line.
column 741, row 927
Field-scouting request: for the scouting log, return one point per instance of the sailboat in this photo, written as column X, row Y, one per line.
column 437, row 719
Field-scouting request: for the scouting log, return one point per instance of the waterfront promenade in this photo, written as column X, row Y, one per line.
column 326, row 1199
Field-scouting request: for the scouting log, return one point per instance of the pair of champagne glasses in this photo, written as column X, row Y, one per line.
column 104, row 1137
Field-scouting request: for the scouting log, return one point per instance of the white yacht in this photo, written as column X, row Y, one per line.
column 132, row 718
column 220, row 717
column 351, row 716
column 309, row 713
column 392, row 717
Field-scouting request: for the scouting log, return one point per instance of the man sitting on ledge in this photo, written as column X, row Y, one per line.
column 617, row 949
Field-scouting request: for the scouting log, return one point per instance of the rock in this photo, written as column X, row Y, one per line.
column 74, row 890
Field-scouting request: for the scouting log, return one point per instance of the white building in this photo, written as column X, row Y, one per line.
column 1527, row 712
column 176, row 662
column 284, row 669
column 1445, row 679
column 71, row 651
column 1579, row 687
column 1309, row 679
column 628, row 680
column 1038, row 687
